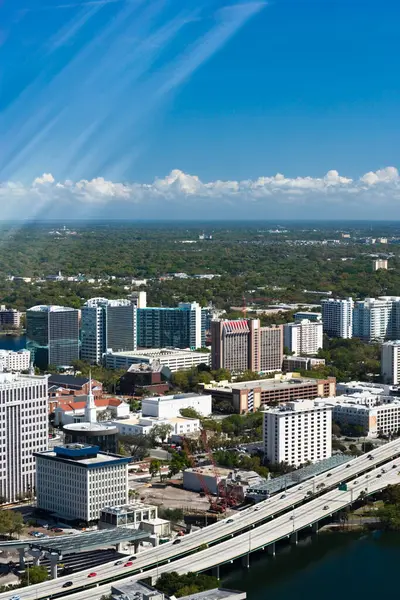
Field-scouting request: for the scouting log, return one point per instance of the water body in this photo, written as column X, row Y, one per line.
column 329, row 566
column 12, row 342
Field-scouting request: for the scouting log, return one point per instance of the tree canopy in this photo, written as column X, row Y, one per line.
column 173, row 584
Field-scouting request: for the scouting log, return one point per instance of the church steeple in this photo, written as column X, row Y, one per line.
column 90, row 410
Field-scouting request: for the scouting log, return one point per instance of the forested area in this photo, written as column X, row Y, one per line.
column 251, row 261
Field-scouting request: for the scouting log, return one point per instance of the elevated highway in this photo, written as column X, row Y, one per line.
column 298, row 501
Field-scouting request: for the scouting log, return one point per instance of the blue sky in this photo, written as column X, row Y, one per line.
column 193, row 108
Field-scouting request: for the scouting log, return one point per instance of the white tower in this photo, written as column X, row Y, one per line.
column 90, row 410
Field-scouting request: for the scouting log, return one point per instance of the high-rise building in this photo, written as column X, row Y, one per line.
column 238, row 345
column 77, row 481
column 303, row 338
column 298, row 432
column 53, row 335
column 390, row 362
column 377, row 318
column 9, row 317
column 179, row 327
column 107, row 325
column 337, row 317
column 23, row 430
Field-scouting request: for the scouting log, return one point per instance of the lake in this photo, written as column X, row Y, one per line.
column 12, row 342
column 329, row 566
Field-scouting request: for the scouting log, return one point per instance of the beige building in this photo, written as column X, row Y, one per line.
column 248, row 396
column 379, row 264
column 241, row 344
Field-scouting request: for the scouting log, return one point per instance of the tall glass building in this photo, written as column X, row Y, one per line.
column 53, row 335
column 181, row 327
column 107, row 325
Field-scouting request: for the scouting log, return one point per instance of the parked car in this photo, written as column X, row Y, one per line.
column 177, row 541
column 119, row 562
column 230, row 521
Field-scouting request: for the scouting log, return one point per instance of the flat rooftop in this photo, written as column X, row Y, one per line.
column 175, row 397
column 272, row 384
column 297, row 406
column 127, row 508
column 158, row 353
column 83, row 455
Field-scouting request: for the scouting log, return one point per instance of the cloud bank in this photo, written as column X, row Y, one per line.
column 181, row 193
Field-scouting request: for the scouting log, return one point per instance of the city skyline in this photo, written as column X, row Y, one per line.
column 118, row 108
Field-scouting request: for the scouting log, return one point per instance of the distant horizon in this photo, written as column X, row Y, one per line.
column 275, row 222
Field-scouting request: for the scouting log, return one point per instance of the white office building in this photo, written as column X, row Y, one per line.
column 23, row 431
column 168, row 407
column 390, row 362
column 15, row 361
column 298, row 432
column 303, row 338
column 107, row 324
column 174, row 359
column 136, row 424
column 374, row 415
column 377, row 318
column 75, row 482
column 337, row 317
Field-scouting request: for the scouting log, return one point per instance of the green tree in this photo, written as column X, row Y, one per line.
column 34, row 574
column 179, row 462
column 391, row 494
column 161, row 432
column 173, row 584
column 136, row 445
column 190, row 413
column 155, row 467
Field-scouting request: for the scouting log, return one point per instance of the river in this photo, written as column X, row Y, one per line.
column 330, row 566
column 12, row 342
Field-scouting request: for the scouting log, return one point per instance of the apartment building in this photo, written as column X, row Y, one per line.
column 9, row 317
column 15, row 361
column 337, row 317
column 390, row 362
column 377, row 318
column 23, row 431
column 76, row 481
column 303, row 338
column 165, row 327
column 238, row 345
column 298, row 432
column 108, row 324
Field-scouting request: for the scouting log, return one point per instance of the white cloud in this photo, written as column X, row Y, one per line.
column 184, row 190
column 45, row 178
column 389, row 174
